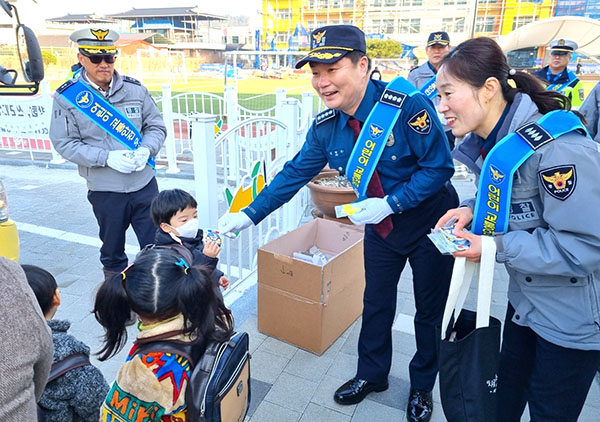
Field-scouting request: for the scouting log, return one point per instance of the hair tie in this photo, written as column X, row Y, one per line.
column 181, row 263
column 512, row 72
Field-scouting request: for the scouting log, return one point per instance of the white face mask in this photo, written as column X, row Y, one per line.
column 189, row 229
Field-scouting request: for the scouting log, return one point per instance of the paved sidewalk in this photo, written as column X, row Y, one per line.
column 58, row 230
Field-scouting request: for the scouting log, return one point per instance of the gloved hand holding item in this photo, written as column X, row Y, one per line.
column 231, row 223
column 374, row 210
column 141, row 156
column 121, row 161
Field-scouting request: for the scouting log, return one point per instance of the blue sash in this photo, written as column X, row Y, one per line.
column 104, row 114
column 559, row 87
column 495, row 183
column 429, row 89
column 375, row 132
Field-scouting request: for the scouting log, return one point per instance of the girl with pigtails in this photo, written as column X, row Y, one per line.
column 172, row 301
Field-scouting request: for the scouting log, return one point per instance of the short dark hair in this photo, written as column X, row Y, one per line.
column 43, row 285
column 356, row 55
column 168, row 202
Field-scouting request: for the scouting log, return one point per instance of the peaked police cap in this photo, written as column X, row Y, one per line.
column 92, row 41
column 329, row 44
column 561, row 47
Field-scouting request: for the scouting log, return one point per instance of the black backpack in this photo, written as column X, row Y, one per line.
column 219, row 386
column 58, row 369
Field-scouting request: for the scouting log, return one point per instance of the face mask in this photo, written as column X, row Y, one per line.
column 189, row 229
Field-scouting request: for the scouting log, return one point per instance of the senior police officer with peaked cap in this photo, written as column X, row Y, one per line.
column 407, row 193
column 95, row 118
column 558, row 77
column 438, row 45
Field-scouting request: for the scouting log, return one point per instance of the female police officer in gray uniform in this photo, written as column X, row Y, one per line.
column 414, row 170
column 551, row 340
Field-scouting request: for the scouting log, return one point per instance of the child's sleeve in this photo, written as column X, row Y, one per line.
column 90, row 391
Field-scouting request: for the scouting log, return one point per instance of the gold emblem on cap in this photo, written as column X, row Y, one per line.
column 100, row 34
column 561, row 42
column 318, row 36
column 437, row 36
column 324, row 56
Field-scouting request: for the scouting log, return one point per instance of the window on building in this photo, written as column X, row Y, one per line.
column 235, row 39
column 485, row 24
column 282, row 37
column 390, row 3
column 520, row 21
column 487, row 1
column 409, row 26
column 335, row 4
column 321, row 4
column 387, row 26
column 348, row 4
column 453, row 24
column 376, row 3
column 283, row 14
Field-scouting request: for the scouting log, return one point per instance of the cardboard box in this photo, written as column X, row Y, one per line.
column 308, row 305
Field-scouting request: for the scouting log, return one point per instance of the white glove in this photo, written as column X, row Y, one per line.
column 233, row 222
column 374, row 210
column 121, row 160
column 140, row 157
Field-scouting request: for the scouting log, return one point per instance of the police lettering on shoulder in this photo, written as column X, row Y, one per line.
column 385, row 138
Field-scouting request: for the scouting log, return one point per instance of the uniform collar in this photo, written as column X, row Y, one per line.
column 365, row 106
column 431, row 67
column 96, row 86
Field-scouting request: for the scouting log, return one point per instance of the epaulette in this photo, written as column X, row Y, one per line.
column 131, row 80
column 65, row 85
column 324, row 116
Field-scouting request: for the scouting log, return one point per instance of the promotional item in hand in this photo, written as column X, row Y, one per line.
column 446, row 241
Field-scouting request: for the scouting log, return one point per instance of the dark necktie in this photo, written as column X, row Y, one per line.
column 374, row 189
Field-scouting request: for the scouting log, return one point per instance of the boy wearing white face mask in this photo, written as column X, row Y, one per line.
column 175, row 213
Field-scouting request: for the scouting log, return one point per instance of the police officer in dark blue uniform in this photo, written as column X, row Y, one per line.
column 408, row 192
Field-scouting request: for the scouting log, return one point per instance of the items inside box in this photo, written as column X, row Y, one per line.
column 313, row 256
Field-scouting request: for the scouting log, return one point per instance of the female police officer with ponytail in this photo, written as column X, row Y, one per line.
column 544, row 226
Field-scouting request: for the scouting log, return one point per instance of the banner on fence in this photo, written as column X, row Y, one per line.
column 25, row 121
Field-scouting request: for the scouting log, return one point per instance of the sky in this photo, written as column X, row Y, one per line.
column 33, row 14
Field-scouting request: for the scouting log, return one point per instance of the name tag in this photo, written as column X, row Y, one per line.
column 133, row 112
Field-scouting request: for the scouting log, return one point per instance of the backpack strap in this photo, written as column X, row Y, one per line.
column 73, row 361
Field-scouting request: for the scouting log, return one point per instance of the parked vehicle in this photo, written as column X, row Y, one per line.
column 32, row 68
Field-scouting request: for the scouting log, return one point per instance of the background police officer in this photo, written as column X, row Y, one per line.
column 557, row 76
column 121, row 185
column 408, row 192
column 438, row 45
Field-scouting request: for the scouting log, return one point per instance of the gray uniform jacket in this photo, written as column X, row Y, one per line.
column 552, row 247
column 419, row 76
column 25, row 346
column 591, row 110
column 81, row 141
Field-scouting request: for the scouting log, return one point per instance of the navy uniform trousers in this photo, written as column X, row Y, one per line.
column 384, row 261
column 115, row 211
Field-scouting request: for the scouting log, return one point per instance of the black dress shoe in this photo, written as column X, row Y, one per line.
column 355, row 390
column 420, row 406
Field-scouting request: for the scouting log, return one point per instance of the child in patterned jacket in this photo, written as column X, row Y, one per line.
column 172, row 301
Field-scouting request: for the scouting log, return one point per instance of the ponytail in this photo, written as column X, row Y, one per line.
column 475, row 60
column 113, row 312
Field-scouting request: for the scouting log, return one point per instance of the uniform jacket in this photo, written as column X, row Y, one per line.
column 414, row 165
column 552, row 245
column 81, row 141
column 196, row 246
column 153, row 384
column 419, row 76
column 25, row 346
column 573, row 91
column 591, row 110
column 79, row 391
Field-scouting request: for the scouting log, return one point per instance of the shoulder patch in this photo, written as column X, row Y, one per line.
column 65, row 86
column 393, row 98
column 131, row 80
column 535, row 135
column 420, row 122
column 559, row 181
column 324, row 116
